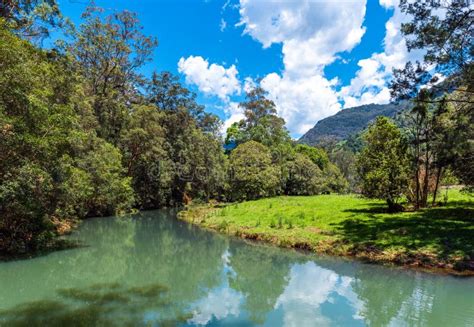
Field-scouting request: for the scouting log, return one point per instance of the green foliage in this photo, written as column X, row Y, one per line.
column 345, row 160
column 53, row 166
column 447, row 41
column 26, row 194
column 252, row 174
column 304, row 177
column 261, row 123
column 316, row 155
column 383, row 164
column 145, row 157
column 334, row 181
column 32, row 18
column 109, row 51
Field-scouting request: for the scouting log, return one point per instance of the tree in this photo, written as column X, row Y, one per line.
column 333, row 180
column 345, row 160
column 145, row 158
column 32, row 18
column 444, row 29
column 167, row 94
column 261, row 123
column 191, row 140
column 53, row 164
column 304, row 177
column 252, row 174
column 109, row 52
column 383, row 164
column 316, row 155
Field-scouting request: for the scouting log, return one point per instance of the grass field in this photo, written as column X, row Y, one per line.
column 348, row 225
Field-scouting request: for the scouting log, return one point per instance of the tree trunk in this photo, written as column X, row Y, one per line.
column 438, row 177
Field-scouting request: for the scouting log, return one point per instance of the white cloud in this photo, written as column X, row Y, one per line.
column 387, row 3
column 211, row 79
column 309, row 287
column 370, row 83
column 249, row 84
column 219, row 303
column 222, row 25
column 234, row 114
column 301, row 101
column 312, row 33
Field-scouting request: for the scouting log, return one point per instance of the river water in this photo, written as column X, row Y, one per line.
column 154, row 270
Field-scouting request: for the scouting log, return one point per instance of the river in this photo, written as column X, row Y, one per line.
column 154, row 270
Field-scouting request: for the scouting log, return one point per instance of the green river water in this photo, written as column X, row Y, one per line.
column 154, row 270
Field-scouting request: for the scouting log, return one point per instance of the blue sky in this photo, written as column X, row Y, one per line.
column 314, row 57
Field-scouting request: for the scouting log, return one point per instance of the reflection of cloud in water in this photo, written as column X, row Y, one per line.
column 311, row 286
column 221, row 301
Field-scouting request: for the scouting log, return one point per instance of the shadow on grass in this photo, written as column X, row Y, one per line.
column 446, row 230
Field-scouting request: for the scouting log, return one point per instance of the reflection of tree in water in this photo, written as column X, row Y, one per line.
column 261, row 275
column 435, row 303
column 97, row 305
column 382, row 292
column 177, row 254
column 103, row 258
column 150, row 249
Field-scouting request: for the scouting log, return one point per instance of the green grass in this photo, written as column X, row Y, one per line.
column 348, row 225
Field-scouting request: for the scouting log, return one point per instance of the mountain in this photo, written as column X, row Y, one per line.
column 348, row 122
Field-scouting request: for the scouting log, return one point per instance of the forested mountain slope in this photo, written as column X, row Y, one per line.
column 348, row 122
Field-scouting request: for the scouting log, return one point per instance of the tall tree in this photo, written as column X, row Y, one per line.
column 53, row 166
column 191, row 140
column 445, row 30
column 168, row 94
column 109, row 51
column 32, row 18
column 261, row 122
column 383, row 164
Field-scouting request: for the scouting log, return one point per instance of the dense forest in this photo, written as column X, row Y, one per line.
column 83, row 133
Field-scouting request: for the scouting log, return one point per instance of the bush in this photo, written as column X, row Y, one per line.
column 252, row 174
column 304, row 177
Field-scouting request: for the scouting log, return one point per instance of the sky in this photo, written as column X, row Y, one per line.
column 313, row 57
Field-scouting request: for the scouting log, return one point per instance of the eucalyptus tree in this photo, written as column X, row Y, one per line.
column 109, row 51
column 32, row 19
column 445, row 31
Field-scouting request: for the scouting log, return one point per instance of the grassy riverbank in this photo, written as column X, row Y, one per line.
column 348, row 225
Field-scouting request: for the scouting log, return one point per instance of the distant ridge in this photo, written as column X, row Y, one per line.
column 348, row 122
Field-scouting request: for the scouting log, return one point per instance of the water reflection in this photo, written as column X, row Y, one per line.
column 153, row 270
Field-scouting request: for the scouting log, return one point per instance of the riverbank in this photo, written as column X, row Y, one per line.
column 439, row 238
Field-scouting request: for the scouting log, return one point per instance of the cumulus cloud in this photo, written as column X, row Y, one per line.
column 211, row 79
column 234, row 114
column 312, row 33
column 301, row 101
column 370, row 83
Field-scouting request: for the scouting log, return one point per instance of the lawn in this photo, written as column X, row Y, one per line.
column 349, row 225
